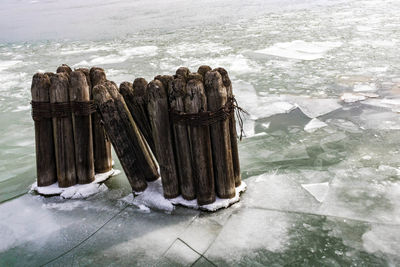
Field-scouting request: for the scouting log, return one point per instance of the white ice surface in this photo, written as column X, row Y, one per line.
column 79, row 190
column 393, row 104
column 314, row 125
column 153, row 198
column 299, row 49
column 318, row 190
column 352, row 97
column 314, row 107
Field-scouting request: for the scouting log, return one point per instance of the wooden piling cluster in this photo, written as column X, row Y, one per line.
column 62, row 111
column 188, row 122
column 183, row 124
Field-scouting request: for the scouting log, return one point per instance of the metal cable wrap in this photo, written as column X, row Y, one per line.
column 47, row 110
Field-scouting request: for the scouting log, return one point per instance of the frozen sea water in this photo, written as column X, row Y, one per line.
column 323, row 174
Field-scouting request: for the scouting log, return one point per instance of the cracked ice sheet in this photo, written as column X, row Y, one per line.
column 35, row 229
column 267, row 105
column 132, row 237
column 350, row 195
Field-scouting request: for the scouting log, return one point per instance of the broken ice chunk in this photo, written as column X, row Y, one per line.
column 313, row 125
column 352, row 97
column 299, row 49
column 319, row 190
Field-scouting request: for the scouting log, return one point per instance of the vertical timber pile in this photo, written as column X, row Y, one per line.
column 45, row 155
column 63, row 131
column 82, row 125
column 196, row 102
column 220, row 136
column 101, row 144
column 176, row 94
column 134, row 95
column 157, row 107
column 119, row 136
column 232, row 128
column 145, row 163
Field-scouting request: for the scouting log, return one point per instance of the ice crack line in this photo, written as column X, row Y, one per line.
column 84, row 240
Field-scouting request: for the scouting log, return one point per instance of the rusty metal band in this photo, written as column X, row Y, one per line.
column 46, row 110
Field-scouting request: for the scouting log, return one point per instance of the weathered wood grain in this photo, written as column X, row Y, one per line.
column 232, row 129
column 63, row 133
column 134, row 96
column 82, row 125
column 176, row 95
column 220, row 137
column 157, row 107
column 201, row 155
column 44, row 142
column 101, row 144
column 64, row 68
column 145, row 163
column 119, row 136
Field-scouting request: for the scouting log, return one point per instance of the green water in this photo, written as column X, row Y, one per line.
column 289, row 62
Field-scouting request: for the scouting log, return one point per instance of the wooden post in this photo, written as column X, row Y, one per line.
column 203, row 70
column 145, row 163
column 195, row 102
column 87, row 74
column 63, row 132
column 176, row 95
column 134, row 95
column 119, row 136
column 232, row 129
column 101, row 144
column 220, row 137
column 44, row 142
column 64, row 68
column 82, row 125
column 157, row 107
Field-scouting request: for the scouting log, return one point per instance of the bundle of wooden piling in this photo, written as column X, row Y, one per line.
column 188, row 122
column 185, row 123
column 65, row 123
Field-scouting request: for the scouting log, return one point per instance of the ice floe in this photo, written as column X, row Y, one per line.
column 314, row 125
column 393, row 104
column 299, row 49
column 318, row 190
column 79, row 190
column 153, row 198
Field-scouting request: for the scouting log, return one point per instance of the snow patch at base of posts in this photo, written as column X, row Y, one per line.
column 79, row 190
column 153, row 198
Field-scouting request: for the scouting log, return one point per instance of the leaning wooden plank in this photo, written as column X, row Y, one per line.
column 134, row 96
column 119, row 136
column 63, row 131
column 82, row 125
column 196, row 102
column 220, row 136
column 157, row 106
column 232, row 128
column 145, row 162
column 176, row 95
column 44, row 142
column 101, row 144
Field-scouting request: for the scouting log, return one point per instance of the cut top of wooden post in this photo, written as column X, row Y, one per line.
column 59, row 88
column 217, row 95
column 64, row 68
column 79, row 88
column 97, row 76
column 202, row 70
column 40, row 87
